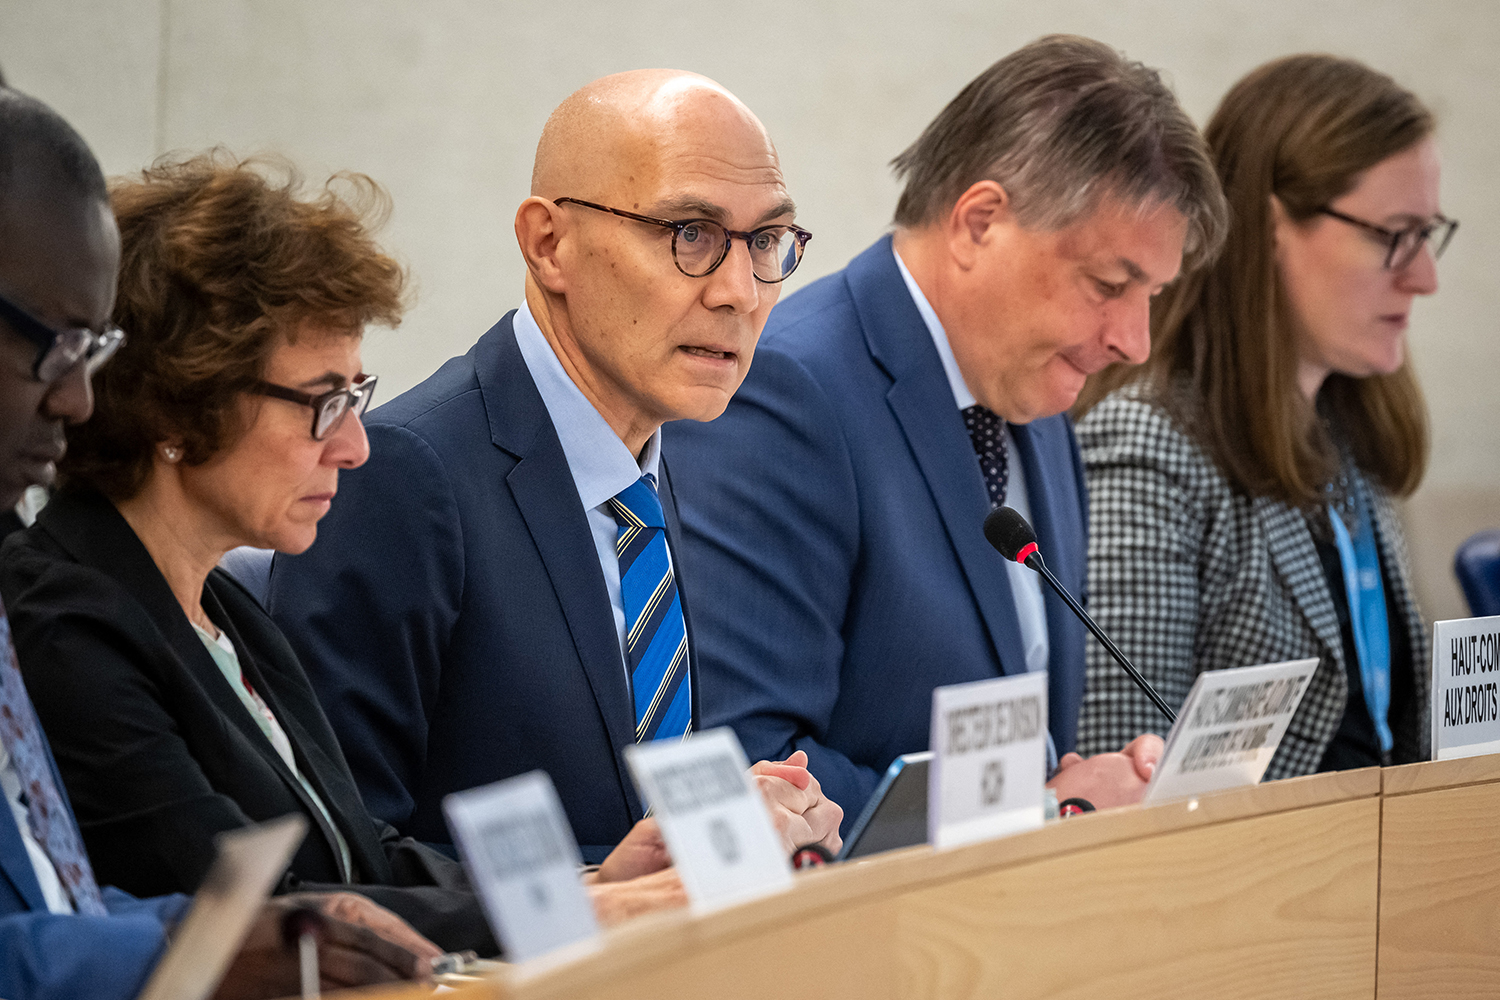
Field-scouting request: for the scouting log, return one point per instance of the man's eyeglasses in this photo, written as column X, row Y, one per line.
column 329, row 408
column 700, row 245
column 57, row 351
column 1403, row 245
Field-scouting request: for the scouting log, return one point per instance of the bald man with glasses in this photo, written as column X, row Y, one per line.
column 495, row 591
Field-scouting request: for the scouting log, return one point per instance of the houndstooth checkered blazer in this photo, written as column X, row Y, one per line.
column 1186, row 575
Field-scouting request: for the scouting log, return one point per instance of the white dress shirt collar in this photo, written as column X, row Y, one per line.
column 600, row 463
column 961, row 393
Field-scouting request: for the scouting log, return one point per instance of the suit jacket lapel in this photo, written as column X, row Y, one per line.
column 186, row 643
column 1383, row 513
column 547, row 498
column 314, row 766
column 93, row 532
column 674, row 534
column 1296, row 561
column 1412, row 628
column 14, row 859
column 16, row 862
column 1054, row 510
column 922, row 402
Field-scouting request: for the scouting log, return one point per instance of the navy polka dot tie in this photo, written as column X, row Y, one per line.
column 987, row 432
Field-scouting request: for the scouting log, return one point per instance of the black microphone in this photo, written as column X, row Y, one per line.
column 1013, row 538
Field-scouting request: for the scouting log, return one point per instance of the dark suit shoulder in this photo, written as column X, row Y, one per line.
column 857, row 329
column 815, row 321
column 828, row 292
column 459, row 380
column 24, row 555
column 1128, row 432
column 474, row 403
column 41, row 582
column 455, row 379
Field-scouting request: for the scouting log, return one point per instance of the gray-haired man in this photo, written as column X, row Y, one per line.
column 1044, row 207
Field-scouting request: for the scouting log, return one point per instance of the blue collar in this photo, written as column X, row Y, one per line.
column 600, row 463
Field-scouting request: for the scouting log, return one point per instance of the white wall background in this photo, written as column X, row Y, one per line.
column 442, row 102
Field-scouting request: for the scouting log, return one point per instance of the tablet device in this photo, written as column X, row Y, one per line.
column 896, row 815
column 250, row 862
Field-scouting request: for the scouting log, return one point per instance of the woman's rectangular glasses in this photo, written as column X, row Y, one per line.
column 329, row 408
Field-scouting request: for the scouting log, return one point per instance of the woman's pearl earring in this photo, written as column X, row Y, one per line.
column 170, row 453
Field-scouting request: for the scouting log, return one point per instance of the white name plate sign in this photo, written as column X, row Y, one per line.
column 1465, row 688
column 989, row 759
column 712, row 817
column 1229, row 729
column 521, row 857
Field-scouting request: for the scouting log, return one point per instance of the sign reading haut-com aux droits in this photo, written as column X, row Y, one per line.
column 1465, row 688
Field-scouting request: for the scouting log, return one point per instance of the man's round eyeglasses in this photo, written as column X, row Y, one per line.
column 700, row 245
column 1403, row 245
column 57, row 351
column 329, row 408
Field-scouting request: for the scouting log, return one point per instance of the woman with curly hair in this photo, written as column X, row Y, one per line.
column 174, row 707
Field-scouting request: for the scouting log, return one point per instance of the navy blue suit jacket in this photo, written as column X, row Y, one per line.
column 452, row 614
column 834, row 531
column 45, row 956
column 64, row 956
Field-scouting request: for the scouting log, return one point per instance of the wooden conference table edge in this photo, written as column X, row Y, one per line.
column 406, row 991
column 665, row 936
column 1433, row 775
column 661, row 939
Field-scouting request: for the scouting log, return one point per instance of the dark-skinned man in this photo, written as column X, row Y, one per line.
column 61, row 935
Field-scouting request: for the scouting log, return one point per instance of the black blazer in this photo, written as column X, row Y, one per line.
column 157, row 751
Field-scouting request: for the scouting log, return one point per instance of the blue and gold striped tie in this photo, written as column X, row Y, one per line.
column 656, row 647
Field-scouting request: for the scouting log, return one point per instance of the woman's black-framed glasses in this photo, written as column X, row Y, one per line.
column 700, row 245
column 57, row 351
column 1403, row 245
column 329, row 408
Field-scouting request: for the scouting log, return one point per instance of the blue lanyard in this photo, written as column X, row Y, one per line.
column 1372, row 637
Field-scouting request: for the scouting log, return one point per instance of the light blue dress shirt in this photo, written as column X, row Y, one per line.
column 1025, row 584
column 600, row 463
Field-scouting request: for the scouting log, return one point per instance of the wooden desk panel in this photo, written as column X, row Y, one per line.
column 467, row 991
column 847, row 952
column 1255, row 893
column 1273, row 906
column 1440, row 881
column 1435, row 774
column 1261, row 892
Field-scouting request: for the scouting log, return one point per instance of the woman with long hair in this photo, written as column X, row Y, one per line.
column 1242, row 480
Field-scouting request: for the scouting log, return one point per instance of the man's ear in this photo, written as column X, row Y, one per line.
column 973, row 219
column 538, row 231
